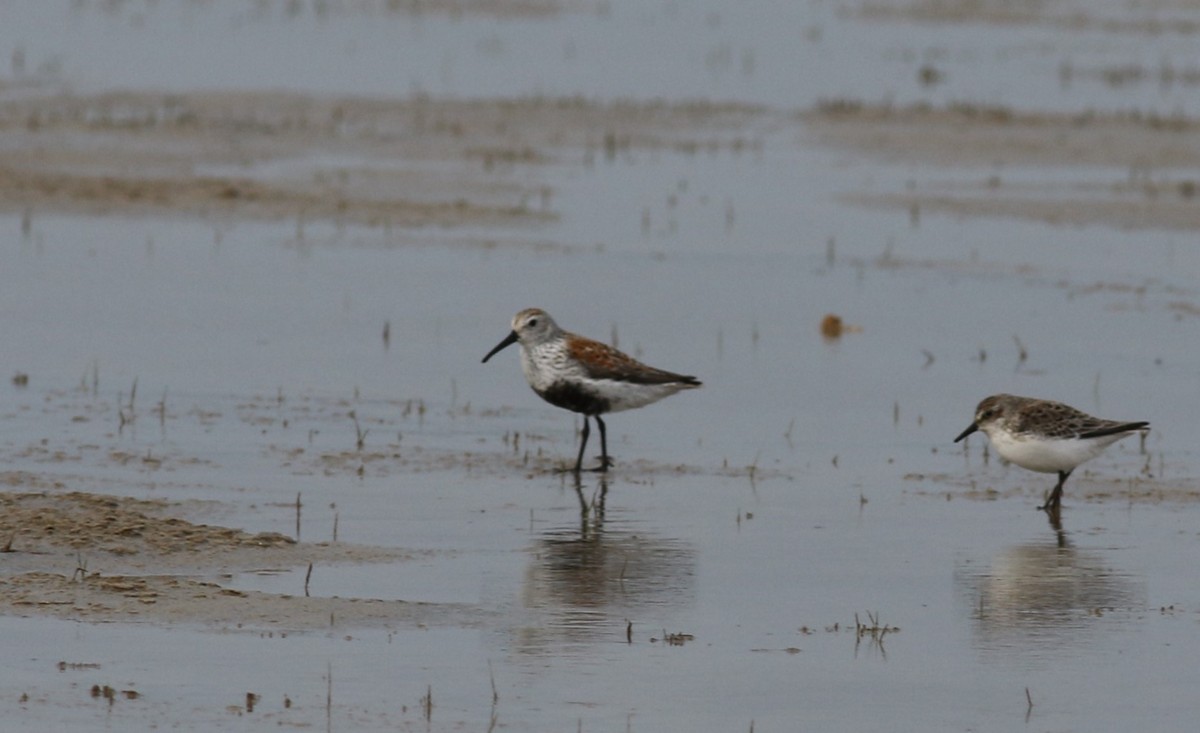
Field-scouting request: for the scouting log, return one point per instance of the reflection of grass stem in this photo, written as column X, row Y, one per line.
column 162, row 411
column 874, row 630
column 122, row 418
column 329, row 696
column 80, row 568
column 360, row 435
column 427, row 704
column 677, row 638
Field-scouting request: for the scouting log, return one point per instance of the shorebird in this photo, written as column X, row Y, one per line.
column 1046, row 436
column 585, row 376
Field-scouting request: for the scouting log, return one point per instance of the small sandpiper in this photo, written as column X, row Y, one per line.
column 1046, row 436
column 585, row 376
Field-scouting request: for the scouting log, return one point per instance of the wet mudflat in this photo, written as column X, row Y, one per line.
column 254, row 473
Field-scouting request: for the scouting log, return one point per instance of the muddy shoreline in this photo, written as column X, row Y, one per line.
column 420, row 162
column 424, row 162
column 100, row 558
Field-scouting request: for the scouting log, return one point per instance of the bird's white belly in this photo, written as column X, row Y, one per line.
column 628, row 395
column 1050, row 455
column 548, row 368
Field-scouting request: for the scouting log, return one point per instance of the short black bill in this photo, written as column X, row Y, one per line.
column 972, row 428
column 509, row 340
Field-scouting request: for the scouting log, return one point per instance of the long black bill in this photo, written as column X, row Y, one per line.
column 972, row 428
column 509, row 340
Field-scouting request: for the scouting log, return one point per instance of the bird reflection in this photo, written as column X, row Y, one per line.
column 1054, row 516
column 591, row 514
column 589, row 581
column 1040, row 595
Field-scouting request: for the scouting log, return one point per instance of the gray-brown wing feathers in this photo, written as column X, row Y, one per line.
column 604, row 362
column 1064, row 421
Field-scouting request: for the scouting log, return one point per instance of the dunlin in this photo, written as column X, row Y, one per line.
column 585, row 376
column 1046, row 436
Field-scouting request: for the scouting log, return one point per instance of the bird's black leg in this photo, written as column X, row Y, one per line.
column 583, row 443
column 1055, row 501
column 605, row 461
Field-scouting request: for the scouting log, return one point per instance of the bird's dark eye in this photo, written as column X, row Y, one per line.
column 532, row 321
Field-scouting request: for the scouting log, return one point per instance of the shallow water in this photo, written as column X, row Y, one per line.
column 1062, row 54
column 809, row 483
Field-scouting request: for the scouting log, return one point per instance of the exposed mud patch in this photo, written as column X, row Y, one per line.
column 283, row 10
column 115, row 526
column 1057, row 209
column 1135, row 490
column 1068, row 149
column 968, row 135
column 90, row 557
column 405, row 163
column 1059, row 15
column 538, row 462
column 175, row 599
